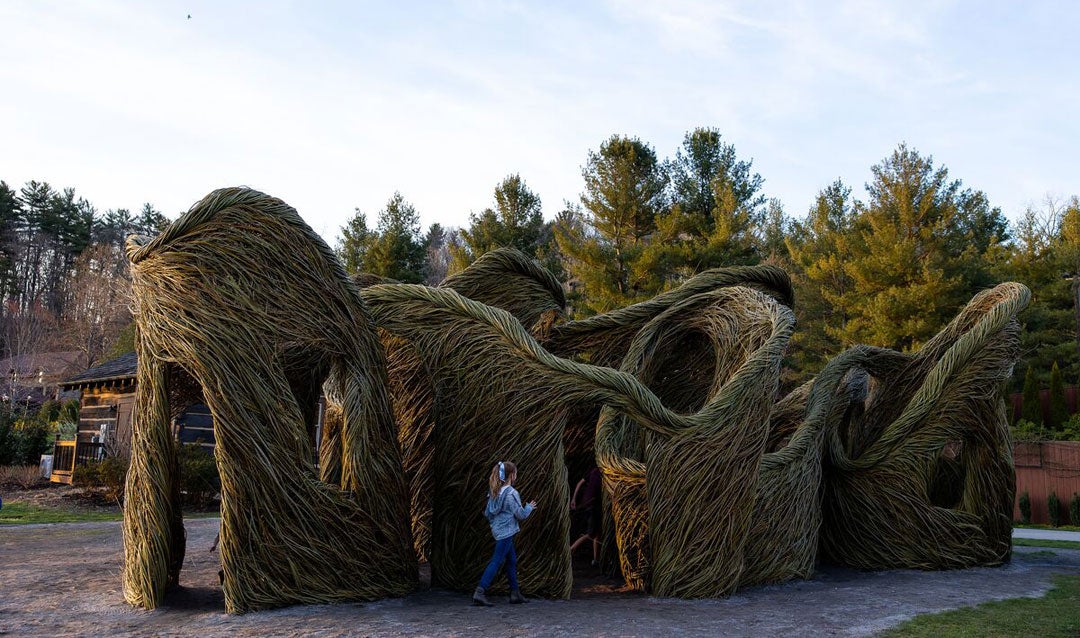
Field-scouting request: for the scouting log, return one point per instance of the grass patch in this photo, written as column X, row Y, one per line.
column 1044, row 553
column 1055, row 614
column 16, row 513
column 1038, row 542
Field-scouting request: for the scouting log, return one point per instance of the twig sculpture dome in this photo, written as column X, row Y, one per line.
column 884, row 460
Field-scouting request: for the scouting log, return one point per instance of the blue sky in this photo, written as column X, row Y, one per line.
column 333, row 106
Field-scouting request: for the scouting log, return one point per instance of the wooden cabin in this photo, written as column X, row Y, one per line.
column 106, row 405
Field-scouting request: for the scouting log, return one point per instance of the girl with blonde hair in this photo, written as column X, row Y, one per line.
column 503, row 512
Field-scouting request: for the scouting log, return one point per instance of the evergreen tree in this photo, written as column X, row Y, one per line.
column 10, row 212
column 1059, row 411
column 624, row 186
column 354, row 242
column 819, row 246
column 718, row 206
column 1042, row 258
column 515, row 222
column 1031, row 410
column 150, row 221
column 397, row 251
column 437, row 255
column 909, row 272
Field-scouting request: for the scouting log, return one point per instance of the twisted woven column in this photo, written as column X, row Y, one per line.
column 252, row 303
column 153, row 528
column 724, row 347
column 924, row 478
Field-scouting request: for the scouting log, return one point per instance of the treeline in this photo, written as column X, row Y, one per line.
column 889, row 270
column 64, row 282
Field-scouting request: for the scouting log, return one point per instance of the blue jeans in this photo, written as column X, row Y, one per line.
column 504, row 551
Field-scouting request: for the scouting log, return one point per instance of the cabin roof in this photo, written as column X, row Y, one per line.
column 121, row 368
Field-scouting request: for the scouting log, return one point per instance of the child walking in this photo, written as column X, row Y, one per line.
column 503, row 512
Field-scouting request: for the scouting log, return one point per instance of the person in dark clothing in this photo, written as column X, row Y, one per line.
column 587, row 499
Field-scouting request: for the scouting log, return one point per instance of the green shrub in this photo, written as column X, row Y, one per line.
column 66, row 430
column 112, row 473
column 1070, row 431
column 199, row 480
column 32, row 439
column 49, row 412
column 1025, row 508
column 1025, row 430
column 1074, row 509
column 69, row 411
column 109, row 473
column 1053, row 505
column 86, row 476
column 7, row 436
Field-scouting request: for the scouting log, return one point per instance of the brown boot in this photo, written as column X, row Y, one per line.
column 516, row 598
column 479, row 599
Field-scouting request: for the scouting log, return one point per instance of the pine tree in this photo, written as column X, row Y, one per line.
column 354, row 242
column 606, row 254
column 1059, row 411
column 718, row 209
column 397, row 251
column 909, row 270
column 819, row 245
column 516, row 221
column 1041, row 259
column 1032, row 408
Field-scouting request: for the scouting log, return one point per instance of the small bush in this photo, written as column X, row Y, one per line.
column 1070, row 430
column 1025, row 430
column 109, row 473
column 25, row 476
column 1074, row 509
column 69, row 411
column 199, row 480
column 86, row 476
column 49, row 412
column 32, row 439
column 66, row 430
column 1025, row 509
column 1053, row 505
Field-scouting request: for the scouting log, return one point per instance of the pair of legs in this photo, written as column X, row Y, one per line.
column 504, row 553
column 595, row 547
column 591, row 533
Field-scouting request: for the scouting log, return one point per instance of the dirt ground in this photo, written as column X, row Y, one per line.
column 64, row 580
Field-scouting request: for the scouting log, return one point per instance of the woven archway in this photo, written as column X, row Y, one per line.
column 241, row 294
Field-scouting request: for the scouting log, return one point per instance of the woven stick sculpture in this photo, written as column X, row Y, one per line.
column 241, row 294
column 686, row 536
column 924, row 478
column 498, row 393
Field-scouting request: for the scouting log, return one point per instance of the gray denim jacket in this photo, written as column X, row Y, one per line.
column 504, row 512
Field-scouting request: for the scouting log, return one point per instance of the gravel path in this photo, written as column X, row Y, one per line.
column 64, row 580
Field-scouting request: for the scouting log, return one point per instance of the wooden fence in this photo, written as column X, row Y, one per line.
column 67, row 455
column 1042, row 468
